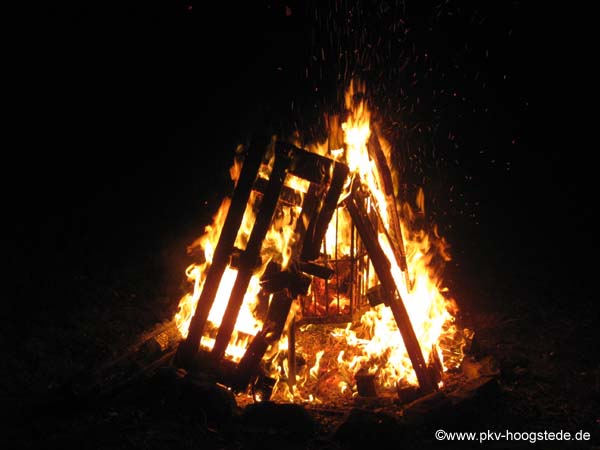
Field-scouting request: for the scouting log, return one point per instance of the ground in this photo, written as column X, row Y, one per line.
column 542, row 336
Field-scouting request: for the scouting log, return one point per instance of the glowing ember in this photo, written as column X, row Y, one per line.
column 372, row 344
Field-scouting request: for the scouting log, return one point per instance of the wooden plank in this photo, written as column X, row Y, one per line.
column 252, row 252
column 291, row 356
column 395, row 232
column 318, row 225
column 189, row 347
column 310, row 166
column 382, row 268
column 271, row 332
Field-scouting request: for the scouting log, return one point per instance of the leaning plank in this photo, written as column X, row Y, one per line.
column 251, row 254
column 395, row 232
column 188, row 348
column 382, row 267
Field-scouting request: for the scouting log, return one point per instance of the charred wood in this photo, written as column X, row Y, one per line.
column 383, row 169
column 188, row 348
column 316, row 270
column 318, row 225
column 248, row 259
column 288, row 195
column 365, row 384
column 269, row 335
column 383, row 270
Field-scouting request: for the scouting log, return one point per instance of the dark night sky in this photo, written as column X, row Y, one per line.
column 125, row 118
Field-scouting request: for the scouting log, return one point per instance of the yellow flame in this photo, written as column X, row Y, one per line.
column 314, row 370
column 384, row 352
column 277, row 246
column 374, row 343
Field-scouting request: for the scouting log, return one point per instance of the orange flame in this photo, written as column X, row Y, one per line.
column 374, row 343
column 383, row 351
column 276, row 246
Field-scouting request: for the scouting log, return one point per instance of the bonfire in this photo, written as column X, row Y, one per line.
column 345, row 297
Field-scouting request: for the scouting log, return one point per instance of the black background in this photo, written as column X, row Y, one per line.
column 122, row 120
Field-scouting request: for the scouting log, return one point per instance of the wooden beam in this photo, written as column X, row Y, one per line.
column 382, row 267
column 291, row 356
column 395, row 231
column 317, row 227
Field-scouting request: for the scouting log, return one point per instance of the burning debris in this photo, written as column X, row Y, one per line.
column 315, row 281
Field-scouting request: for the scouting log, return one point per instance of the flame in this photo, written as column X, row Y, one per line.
column 277, row 246
column 314, row 370
column 383, row 351
column 373, row 343
column 357, row 132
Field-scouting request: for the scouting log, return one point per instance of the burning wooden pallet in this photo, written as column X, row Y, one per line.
column 327, row 186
